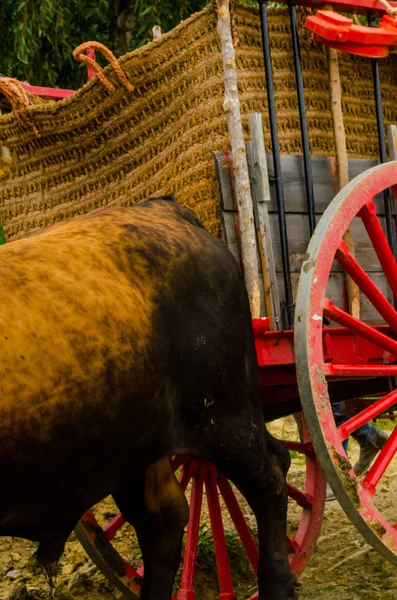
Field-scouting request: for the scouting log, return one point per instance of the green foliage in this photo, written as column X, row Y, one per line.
column 205, row 549
column 39, row 36
column 159, row 12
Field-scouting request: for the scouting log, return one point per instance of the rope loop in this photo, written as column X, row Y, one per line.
column 19, row 100
column 108, row 54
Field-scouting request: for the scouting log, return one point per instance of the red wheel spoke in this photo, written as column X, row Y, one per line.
column 366, row 285
column 187, row 473
column 132, row 575
column 218, row 534
column 376, row 409
column 365, row 331
column 140, row 571
column 89, row 516
column 382, row 462
column 380, row 243
column 239, row 521
column 113, row 526
column 359, row 370
column 303, row 500
column 305, row 448
column 177, row 462
column 292, row 544
column 189, row 557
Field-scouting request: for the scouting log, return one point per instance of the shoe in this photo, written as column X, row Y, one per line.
column 369, row 451
column 329, row 494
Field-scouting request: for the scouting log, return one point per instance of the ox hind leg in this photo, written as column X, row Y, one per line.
column 157, row 508
column 258, row 463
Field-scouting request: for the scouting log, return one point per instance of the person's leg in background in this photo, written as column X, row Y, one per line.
column 371, row 440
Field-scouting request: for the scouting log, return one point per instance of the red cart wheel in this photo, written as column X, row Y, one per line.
column 371, row 352
column 206, row 480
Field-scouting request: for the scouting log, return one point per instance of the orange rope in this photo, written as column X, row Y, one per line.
column 233, row 26
column 19, row 100
column 79, row 56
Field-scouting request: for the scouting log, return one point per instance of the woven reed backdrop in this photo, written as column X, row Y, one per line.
column 102, row 148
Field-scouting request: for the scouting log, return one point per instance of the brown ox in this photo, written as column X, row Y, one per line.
column 126, row 338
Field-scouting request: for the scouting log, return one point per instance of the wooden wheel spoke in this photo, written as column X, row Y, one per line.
column 177, row 462
column 381, row 463
column 359, row 370
column 303, row 500
column 132, row 575
column 380, row 244
column 292, row 544
column 239, row 521
column 366, row 285
column 187, row 472
column 190, row 553
column 376, row 409
column 359, row 327
column 305, row 448
column 218, row 535
column 113, row 526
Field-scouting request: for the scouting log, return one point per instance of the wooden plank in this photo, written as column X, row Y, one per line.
column 224, row 177
column 229, row 218
column 298, row 240
column 266, row 308
column 297, row 223
column 259, row 158
column 335, row 292
column 294, row 182
column 260, row 194
column 266, row 260
column 230, row 232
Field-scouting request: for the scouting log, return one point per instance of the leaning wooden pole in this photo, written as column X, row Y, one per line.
column 231, row 107
column 353, row 295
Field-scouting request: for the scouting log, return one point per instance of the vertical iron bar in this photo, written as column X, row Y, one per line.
column 302, row 118
column 391, row 234
column 277, row 164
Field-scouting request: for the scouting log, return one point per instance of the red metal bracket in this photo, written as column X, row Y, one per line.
column 46, row 92
column 339, row 32
column 58, row 93
column 358, row 7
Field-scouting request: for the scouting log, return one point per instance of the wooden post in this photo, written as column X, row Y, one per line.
column 260, row 192
column 342, row 164
column 392, row 136
column 156, row 31
column 231, row 107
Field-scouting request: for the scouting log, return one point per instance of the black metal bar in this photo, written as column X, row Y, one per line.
column 387, row 197
column 277, row 164
column 302, row 118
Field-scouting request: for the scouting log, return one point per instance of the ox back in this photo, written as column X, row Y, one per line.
column 126, row 338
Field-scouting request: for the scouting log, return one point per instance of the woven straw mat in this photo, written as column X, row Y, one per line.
column 102, row 148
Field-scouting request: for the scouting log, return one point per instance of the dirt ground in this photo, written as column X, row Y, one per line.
column 342, row 567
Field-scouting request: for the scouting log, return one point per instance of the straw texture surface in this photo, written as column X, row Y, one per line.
column 100, row 148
